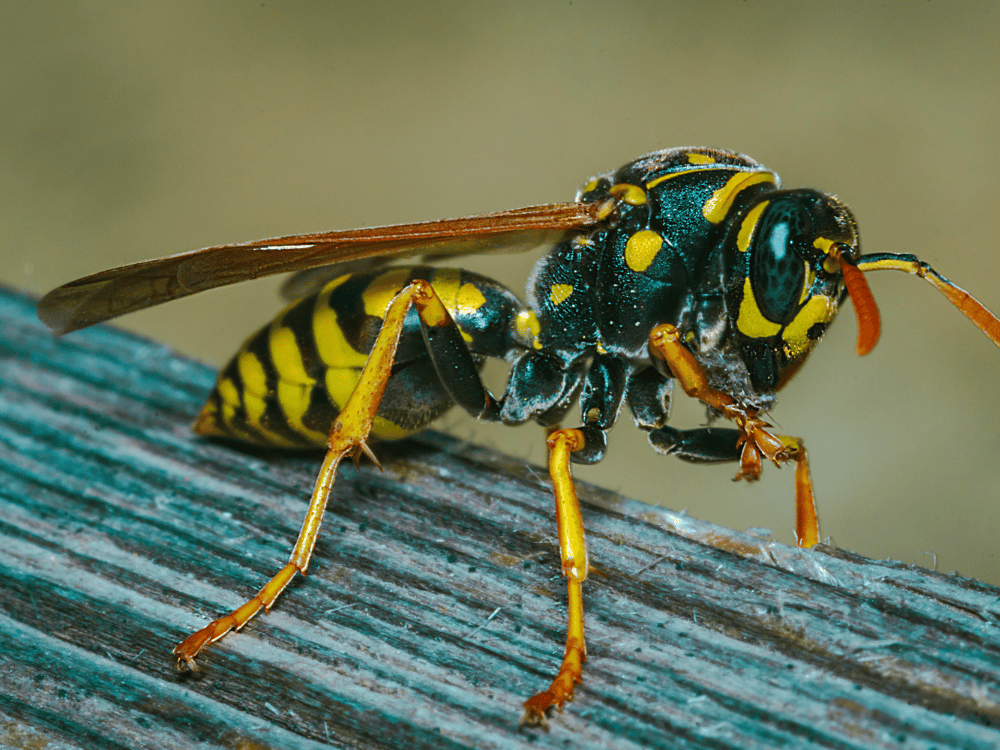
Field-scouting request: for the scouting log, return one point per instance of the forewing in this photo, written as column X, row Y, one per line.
column 117, row 291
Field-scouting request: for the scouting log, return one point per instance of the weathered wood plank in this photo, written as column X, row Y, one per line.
column 432, row 608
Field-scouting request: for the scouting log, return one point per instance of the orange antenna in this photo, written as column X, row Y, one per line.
column 869, row 322
column 969, row 306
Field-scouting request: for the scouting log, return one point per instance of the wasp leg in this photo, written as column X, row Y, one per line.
column 707, row 445
column 573, row 552
column 348, row 437
column 753, row 441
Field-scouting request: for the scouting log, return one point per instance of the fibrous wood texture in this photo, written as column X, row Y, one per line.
column 433, row 607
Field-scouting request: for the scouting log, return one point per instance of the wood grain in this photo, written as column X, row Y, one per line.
column 433, row 606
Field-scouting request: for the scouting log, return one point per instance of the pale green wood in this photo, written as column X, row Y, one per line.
column 433, row 605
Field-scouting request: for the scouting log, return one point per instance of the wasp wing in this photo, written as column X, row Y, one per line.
column 311, row 280
column 125, row 289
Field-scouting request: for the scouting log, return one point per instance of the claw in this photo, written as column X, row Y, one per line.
column 368, row 452
column 750, row 462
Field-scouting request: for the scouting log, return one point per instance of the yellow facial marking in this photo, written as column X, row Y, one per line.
column 641, row 249
column 823, row 244
column 830, row 264
column 751, row 321
column 717, row 207
column 819, row 309
column 560, row 293
column 748, row 226
column 694, row 158
column 600, row 347
column 807, row 282
column 383, row 288
column 631, row 194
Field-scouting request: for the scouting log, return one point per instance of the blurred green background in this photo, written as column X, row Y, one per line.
column 129, row 131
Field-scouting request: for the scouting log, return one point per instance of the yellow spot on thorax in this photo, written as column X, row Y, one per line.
column 717, row 207
column 446, row 282
column 641, row 249
column 527, row 326
column 560, row 293
column 671, row 175
column 694, row 158
column 631, row 194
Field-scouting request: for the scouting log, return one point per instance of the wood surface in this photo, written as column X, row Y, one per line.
column 433, row 606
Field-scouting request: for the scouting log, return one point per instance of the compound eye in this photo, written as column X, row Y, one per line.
column 777, row 271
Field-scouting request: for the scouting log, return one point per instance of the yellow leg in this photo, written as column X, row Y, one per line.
column 757, row 441
column 348, row 437
column 573, row 553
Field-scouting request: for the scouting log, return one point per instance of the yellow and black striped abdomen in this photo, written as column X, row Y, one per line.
column 289, row 380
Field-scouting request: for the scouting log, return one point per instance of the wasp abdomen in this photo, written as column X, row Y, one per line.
column 287, row 383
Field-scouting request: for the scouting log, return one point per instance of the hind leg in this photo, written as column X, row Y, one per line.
column 348, row 437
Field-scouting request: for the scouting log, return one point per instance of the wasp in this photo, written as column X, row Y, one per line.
column 690, row 265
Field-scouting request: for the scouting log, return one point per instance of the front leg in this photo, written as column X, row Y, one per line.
column 755, row 442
